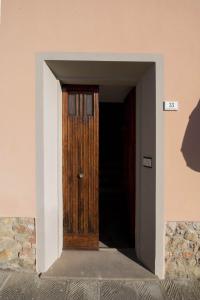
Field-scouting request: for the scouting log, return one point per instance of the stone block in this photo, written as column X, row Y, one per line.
column 182, row 249
column 17, row 243
column 191, row 235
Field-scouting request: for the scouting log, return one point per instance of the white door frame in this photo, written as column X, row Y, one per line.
column 43, row 161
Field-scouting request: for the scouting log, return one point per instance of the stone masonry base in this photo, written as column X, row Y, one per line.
column 17, row 243
column 182, row 249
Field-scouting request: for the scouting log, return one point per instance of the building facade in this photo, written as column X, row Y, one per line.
column 152, row 46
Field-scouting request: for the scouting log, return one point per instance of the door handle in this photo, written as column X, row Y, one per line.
column 80, row 175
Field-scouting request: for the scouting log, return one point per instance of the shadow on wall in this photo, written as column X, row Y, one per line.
column 191, row 141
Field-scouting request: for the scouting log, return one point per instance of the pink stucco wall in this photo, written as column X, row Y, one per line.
column 171, row 28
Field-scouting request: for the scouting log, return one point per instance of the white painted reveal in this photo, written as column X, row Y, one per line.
column 49, row 249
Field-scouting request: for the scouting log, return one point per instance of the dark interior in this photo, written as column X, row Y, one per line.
column 115, row 227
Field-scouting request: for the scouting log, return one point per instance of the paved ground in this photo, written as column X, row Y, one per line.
column 20, row 286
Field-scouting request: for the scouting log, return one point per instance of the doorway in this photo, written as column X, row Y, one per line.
column 98, row 189
column 146, row 72
column 117, row 173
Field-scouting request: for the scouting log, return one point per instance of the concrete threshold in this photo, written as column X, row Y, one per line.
column 106, row 264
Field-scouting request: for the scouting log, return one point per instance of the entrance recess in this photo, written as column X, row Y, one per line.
column 80, row 167
column 145, row 71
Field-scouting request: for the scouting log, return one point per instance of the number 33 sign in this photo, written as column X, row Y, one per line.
column 170, row 105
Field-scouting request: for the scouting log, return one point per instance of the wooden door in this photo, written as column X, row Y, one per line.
column 80, row 167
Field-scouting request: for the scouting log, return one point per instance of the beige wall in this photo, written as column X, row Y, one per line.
column 171, row 28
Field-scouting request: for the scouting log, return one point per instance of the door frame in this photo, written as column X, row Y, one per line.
column 45, row 256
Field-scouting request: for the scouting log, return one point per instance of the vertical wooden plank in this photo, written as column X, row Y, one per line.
column 79, row 165
column 87, row 163
column 93, row 171
column 72, row 179
column 96, row 162
column 63, row 156
column 69, row 172
column 91, row 166
column 84, row 180
column 81, row 171
column 90, row 172
column 76, row 133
